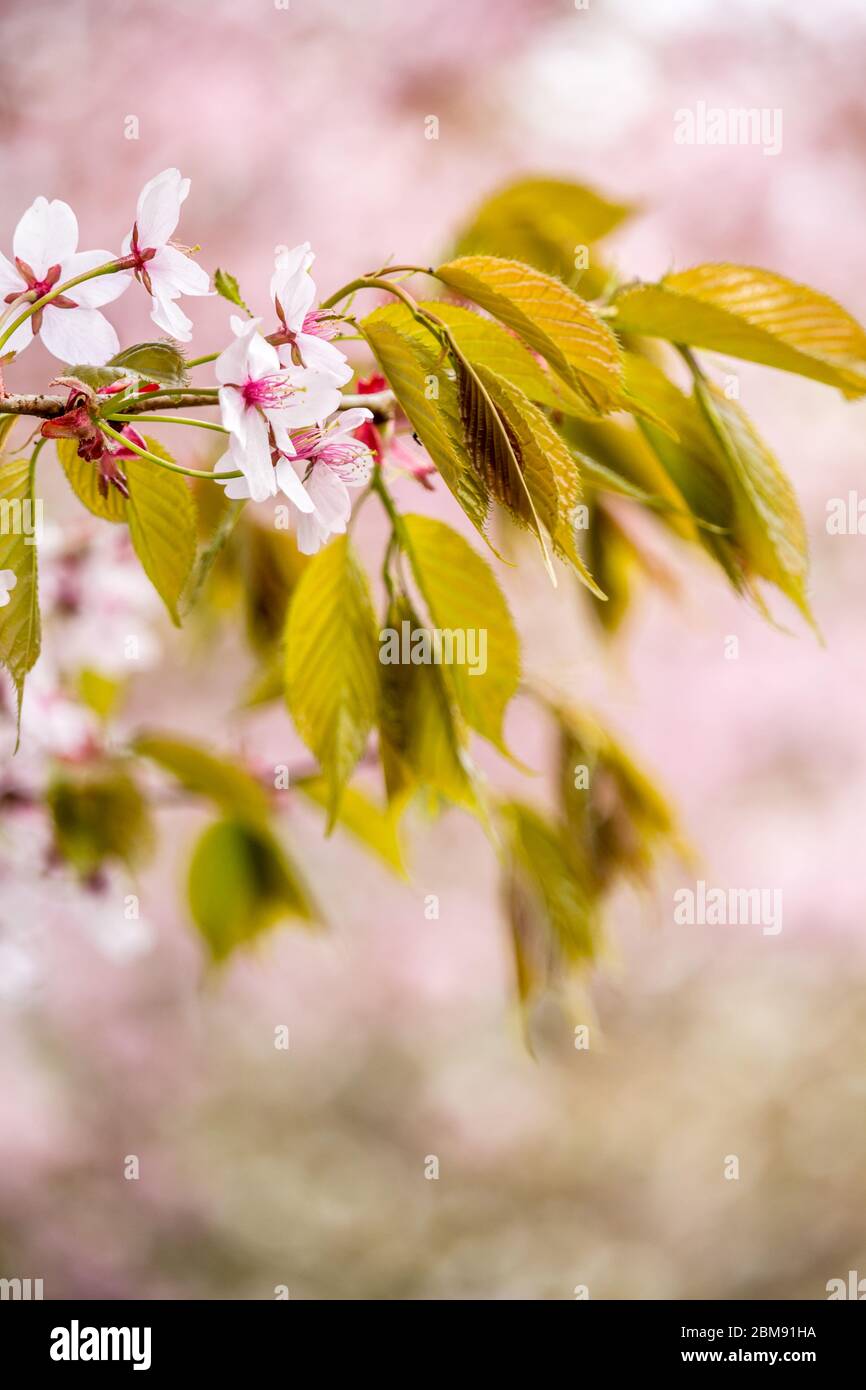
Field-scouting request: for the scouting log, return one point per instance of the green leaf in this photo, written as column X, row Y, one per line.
column 162, row 525
column 551, row 318
column 486, row 343
column 20, row 627
column 241, row 882
column 161, row 361
column 422, row 380
column 226, row 285
column 99, row 816
column 421, row 733
column 83, row 478
column 374, row 827
column 754, row 314
column 550, row 470
column 553, row 894
column 332, row 664
column 230, row 786
column 6, row 424
column 493, row 451
column 462, row 598
column 95, row 377
column 544, row 222
column 768, row 524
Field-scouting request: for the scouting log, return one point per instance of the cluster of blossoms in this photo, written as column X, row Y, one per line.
column 279, row 393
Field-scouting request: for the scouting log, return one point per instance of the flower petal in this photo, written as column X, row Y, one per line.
column 159, row 206
column 233, row 411
column 230, row 367
column 78, row 336
column 46, row 235
column 290, row 484
column 330, row 497
column 254, row 458
column 321, row 356
column 167, row 314
column 178, row 273
column 10, row 280
column 94, row 293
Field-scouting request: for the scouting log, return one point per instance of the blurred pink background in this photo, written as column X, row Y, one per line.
column 602, row 1168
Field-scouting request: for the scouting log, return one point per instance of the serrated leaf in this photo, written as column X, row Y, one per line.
column 96, row 376
column 241, row 882
column 162, row 525
column 755, row 314
column 332, row 664
column 494, row 450
column 83, row 478
column 226, row 285
column 415, row 364
column 487, row 343
column 374, row 827
column 768, row 524
column 463, row 598
column 20, row 626
column 161, row 361
column 222, row 781
column 549, row 468
column 551, row 318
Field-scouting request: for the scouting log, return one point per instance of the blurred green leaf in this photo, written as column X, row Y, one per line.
column 230, row 786
column 99, row 815
column 20, row 626
column 374, row 827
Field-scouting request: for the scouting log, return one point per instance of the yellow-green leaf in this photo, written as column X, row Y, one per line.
column 162, row 525
column 754, row 314
column 83, row 478
column 550, row 471
column 421, row 378
column 332, row 663
column 551, row 318
column 361, row 817
column 467, row 606
column 222, row 781
column 241, row 882
column 20, row 627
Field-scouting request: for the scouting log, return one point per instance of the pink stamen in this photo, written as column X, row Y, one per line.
column 268, row 392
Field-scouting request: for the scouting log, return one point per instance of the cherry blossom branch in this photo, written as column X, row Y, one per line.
column 47, row 407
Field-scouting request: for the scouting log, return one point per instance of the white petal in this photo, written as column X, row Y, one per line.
column 10, row 280
column 21, row 338
column 238, row 489
column 167, row 314
column 330, row 497
column 296, row 293
column 233, row 411
column 262, row 357
column 159, row 207
column 177, row 272
column 78, row 336
column 347, row 422
column 230, row 367
column 309, row 534
column 94, row 293
column 255, row 458
column 290, row 484
column 321, row 356
column 46, row 235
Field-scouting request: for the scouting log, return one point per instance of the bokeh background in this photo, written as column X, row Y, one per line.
column 602, row 1168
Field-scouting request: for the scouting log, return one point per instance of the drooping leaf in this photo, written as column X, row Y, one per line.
column 162, row 525
column 551, row 318
column 421, row 733
column 754, row 314
column 332, row 663
column 554, row 894
column 422, row 379
column 549, row 468
column 768, row 523
column 20, row 627
column 270, row 567
column 374, row 827
column 467, row 606
column 241, row 882
column 226, row 285
column 161, row 361
column 486, row 343
column 227, row 784
column 98, row 816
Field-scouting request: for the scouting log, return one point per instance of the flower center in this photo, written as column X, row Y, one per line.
column 36, row 288
column 268, row 392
